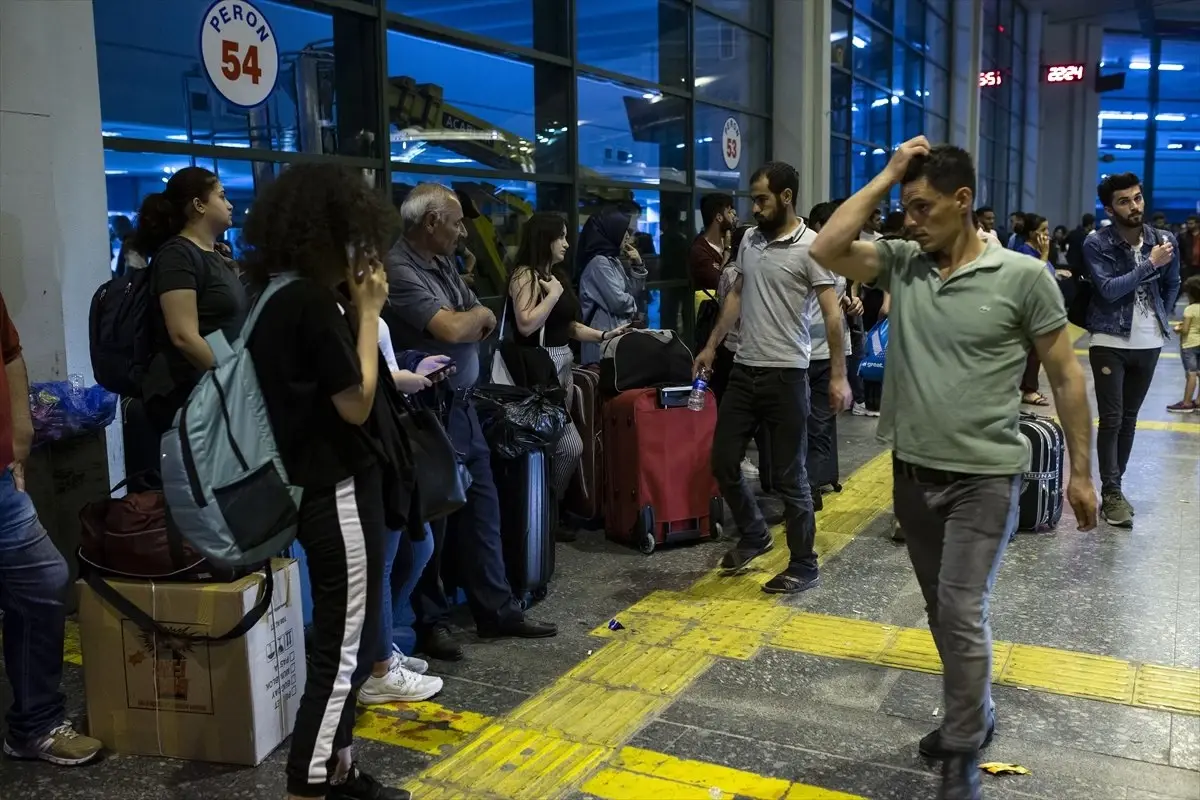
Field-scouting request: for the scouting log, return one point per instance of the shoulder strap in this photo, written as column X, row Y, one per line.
column 147, row 623
column 276, row 283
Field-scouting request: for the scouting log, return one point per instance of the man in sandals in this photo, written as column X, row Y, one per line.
column 964, row 314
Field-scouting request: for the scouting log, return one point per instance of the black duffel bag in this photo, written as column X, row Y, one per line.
column 643, row 359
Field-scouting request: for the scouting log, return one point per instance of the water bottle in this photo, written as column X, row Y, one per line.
column 75, row 387
column 699, row 390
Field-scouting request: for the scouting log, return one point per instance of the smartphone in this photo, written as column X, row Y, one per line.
column 352, row 262
column 437, row 373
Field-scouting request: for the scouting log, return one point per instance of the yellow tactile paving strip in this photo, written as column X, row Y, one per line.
column 566, row 735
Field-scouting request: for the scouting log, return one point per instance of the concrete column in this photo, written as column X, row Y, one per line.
column 800, row 69
column 1031, row 103
column 1068, row 140
column 966, row 45
column 54, row 230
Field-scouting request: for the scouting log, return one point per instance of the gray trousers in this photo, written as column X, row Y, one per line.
column 956, row 528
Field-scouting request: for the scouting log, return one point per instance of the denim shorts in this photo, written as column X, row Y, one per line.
column 1191, row 359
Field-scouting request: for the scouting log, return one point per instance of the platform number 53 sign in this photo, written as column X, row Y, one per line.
column 240, row 54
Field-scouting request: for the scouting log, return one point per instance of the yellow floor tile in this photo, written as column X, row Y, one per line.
column 1175, row 688
column 755, row 615
column 833, row 636
column 626, row 665
column 426, row 727
column 747, row 586
column 913, row 648
column 517, row 764
column 1070, row 673
column 731, row 782
column 71, row 651
column 719, row 640
column 432, row 791
column 800, row 791
column 617, row 784
column 644, row 628
column 676, row 605
column 588, row 712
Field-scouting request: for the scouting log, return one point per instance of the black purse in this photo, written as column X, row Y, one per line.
column 440, row 474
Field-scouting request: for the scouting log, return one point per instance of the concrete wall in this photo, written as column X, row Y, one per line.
column 965, row 53
column 801, row 95
column 53, row 229
column 1067, row 143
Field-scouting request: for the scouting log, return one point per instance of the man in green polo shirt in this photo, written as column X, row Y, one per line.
column 964, row 314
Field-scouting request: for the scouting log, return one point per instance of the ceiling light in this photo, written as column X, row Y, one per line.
column 1171, row 117
column 1123, row 146
column 858, row 42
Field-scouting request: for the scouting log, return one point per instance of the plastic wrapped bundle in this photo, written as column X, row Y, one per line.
column 64, row 409
column 516, row 421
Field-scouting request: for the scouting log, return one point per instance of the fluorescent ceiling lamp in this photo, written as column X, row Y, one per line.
column 1174, row 146
column 178, row 137
column 878, row 151
column 108, row 134
column 837, row 36
column 454, row 161
column 1139, row 65
column 705, row 80
column 1125, row 115
column 1143, row 65
column 1171, row 117
column 116, row 172
column 858, row 42
column 883, row 101
column 1123, row 146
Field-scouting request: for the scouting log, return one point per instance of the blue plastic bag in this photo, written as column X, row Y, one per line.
column 874, row 353
column 64, row 409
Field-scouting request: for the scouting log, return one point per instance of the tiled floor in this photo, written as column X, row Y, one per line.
column 714, row 687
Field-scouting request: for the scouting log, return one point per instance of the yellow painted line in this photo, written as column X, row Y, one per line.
column 636, row 774
column 516, row 763
column 587, row 712
column 425, row 727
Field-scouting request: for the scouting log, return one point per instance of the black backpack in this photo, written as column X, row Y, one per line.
column 119, row 332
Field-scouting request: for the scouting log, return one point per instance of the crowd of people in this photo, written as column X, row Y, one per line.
column 374, row 317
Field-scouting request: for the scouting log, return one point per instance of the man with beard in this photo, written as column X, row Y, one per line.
column 964, row 314
column 432, row 310
column 768, row 385
column 1135, row 280
column 710, row 250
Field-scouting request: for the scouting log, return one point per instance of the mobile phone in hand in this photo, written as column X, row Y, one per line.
column 440, row 371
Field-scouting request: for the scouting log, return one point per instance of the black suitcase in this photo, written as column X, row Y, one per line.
column 526, row 523
column 1042, row 485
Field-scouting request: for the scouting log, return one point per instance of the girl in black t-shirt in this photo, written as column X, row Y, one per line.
column 319, row 370
column 195, row 286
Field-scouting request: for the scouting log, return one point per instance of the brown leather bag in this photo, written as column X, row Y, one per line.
column 130, row 537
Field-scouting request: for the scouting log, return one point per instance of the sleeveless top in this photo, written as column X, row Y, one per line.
column 558, row 324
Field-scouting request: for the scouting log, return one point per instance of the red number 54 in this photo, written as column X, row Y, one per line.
column 233, row 68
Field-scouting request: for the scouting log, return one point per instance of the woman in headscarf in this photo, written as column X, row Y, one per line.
column 609, row 291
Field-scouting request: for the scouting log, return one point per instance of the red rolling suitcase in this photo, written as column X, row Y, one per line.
column 660, row 487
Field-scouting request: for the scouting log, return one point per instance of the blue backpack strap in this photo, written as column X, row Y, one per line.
column 276, row 283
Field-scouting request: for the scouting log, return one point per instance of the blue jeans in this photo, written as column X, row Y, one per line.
column 33, row 584
column 404, row 560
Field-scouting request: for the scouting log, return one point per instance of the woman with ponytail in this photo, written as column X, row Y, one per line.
column 195, row 286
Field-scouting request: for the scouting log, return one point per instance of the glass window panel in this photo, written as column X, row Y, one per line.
column 869, row 110
column 839, row 168
column 1131, row 55
column 912, row 122
column 541, row 24
column 631, row 134
column 730, row 64
column 729, row 147
column 661, row 220
column 936, row 128
column 840, row 37
column 908, row 74
column 1177, row 152
column 454, row 106
column 1015, row 164
column 154, row 86
column 937, row 38
column 872, row 53
column 503, row 207
column 987, row 116
column 646, row 39
column 755, row 13
column 983, row 160
column 880, row 10
column 867, row 162
column 839, row 102
column 910, row 22
column 937, row 90
column 1179, row 70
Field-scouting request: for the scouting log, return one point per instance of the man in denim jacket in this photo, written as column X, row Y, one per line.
column 1134, row 270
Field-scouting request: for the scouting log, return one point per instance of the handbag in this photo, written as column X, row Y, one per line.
column 515, row 364
column 441, row 475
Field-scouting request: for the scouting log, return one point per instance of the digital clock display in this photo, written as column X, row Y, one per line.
column 991, row 77
column 1063, row 73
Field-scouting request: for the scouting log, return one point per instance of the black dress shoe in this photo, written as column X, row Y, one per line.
column 931, row 743
column 960, row 778
column 438, row 642
column 518, row 629
column 738, row 557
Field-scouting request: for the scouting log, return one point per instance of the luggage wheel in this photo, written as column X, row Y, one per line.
column 539, row 594
column 644, row 530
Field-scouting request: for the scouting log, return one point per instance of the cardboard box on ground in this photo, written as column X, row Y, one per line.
column 229, row 703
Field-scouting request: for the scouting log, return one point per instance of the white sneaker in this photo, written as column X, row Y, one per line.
column 411, row 663
column 400, row 685
column 872, row 413
column 749, row 470
column 859, row 409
